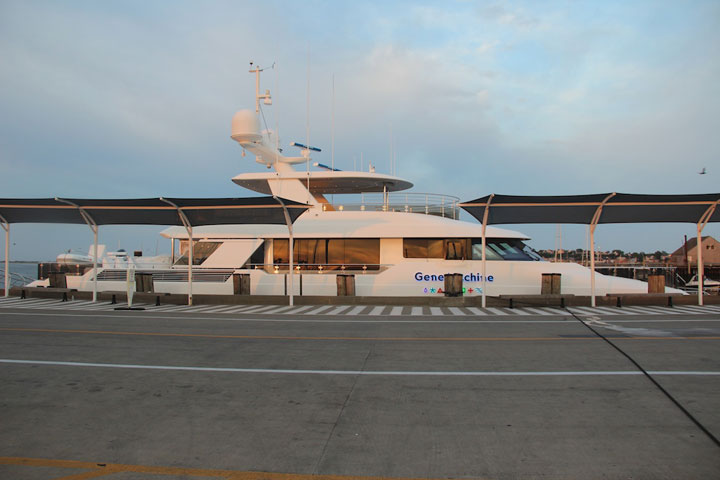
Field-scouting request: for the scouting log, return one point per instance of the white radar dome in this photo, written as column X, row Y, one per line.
column 245, row 127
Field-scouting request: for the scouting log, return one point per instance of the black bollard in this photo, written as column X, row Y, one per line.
column 511, row 303
column 22, row 294
column 113, row 300
column 64, row 299
column 562, row 302
column 157, row 301
column 670, row 301
column 619, row 302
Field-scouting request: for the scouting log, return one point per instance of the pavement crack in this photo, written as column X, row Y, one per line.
column 342, row 410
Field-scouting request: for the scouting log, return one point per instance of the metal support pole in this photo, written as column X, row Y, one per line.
column 6, row 227
column 592, row 266
column 188, row 229
column 95, row 262
column 484, row 255
column 593, row 223
column 190, row 264
column 701, row 267
column 94, row 227
column 291, row 288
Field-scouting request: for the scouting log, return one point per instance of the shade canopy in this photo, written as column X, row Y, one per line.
column 585, row 209
column 150, row 211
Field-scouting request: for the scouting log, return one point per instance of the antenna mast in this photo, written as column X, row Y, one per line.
column 267, row 100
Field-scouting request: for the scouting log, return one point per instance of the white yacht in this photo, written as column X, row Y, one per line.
column 362, row 224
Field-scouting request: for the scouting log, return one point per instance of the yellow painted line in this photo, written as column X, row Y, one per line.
column 388, row 339
column 100, row 469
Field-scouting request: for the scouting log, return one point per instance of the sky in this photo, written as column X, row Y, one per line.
column 134, row 99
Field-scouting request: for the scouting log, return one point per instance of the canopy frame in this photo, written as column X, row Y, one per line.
column 577, row 209
column 291, row 283
column 191, row 212
column 701, row 266
column 188, row 228
column 94, row 227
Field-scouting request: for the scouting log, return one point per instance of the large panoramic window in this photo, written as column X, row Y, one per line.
column 201, row 252
column 503, row 249
column 330, row 254
column 423, row 248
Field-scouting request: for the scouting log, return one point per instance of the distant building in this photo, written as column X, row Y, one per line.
column 710, row 253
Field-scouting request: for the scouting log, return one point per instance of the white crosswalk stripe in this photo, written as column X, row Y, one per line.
column 318, row 310
column 358, row 310
column 474, row 310
column 376, row 310
column 355, row 310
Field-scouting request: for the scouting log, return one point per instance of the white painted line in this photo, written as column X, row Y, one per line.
column 228, row 308
column 318, row 310
column 355, row 372
column 436, row 311
column 592, row 311
column 477, row 311
column 284, row 310
column 396, row 311
column 34, row 301
column 645, row 310
column 609, row 310
column 692, row 309
column 540, row 311
column 355, row 310
column 496, row 311
column 168, row 308
column 337, row 310
column 258, row 308
column 302, row 309
column 521, row 311
column 415, row 311
column 456, row 311
column 244, row 308
column 376, row 310
column 16, row 300
column 149, row 315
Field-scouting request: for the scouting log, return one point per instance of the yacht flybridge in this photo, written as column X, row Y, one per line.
column 392, row 242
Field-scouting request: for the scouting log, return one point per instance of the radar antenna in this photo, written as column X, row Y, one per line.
column 267, row 99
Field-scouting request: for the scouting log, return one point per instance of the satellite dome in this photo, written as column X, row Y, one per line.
column 245, row 127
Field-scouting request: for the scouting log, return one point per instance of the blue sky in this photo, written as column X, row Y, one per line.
column 134, row 99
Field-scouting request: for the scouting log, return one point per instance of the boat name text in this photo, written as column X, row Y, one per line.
column 468, row 277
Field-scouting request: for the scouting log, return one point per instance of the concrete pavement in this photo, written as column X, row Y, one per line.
column 532, row 396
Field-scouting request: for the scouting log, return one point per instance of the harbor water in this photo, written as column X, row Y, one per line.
column 20, row 273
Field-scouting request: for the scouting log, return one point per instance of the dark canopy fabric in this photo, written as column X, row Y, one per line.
column 618, row 208
column 151, row 211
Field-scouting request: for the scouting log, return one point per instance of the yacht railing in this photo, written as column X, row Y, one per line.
column 426, row 203
column 15, row 279
column 320, row 267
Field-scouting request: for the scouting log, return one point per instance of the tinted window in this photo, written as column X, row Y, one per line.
column 503, row 249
